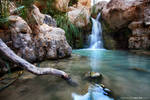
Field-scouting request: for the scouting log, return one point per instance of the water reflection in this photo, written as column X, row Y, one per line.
column 96, row 63
column 95, row 92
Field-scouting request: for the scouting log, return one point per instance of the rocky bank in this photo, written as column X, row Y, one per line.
column 38, row 39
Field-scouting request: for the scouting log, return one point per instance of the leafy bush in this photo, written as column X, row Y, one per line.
column 73, row 34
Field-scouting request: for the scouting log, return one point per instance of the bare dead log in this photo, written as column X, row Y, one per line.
column 9, row 54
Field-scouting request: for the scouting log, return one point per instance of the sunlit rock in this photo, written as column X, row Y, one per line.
column 19, row 25
column 54, row 40
column 42, row 18
column 85, row 3
column 41, row 41
column 62, row 5
column 118, row 13
column 79, row 14
column 79, row 17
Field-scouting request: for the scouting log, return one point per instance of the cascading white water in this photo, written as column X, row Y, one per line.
column 96, row 1
column 96, row 36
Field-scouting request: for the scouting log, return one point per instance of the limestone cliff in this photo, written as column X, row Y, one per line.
column 126, row 24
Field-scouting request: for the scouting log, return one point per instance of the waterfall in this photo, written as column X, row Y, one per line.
column 93, row 2
column 96, row 36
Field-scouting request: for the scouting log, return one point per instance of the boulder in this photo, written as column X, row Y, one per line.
column 61, row 5
column 138, row 69
column 93, row 77
column 53, row 41
column 79, row 14
column 41, row 41
column 79, row 17
column 42, row 18
column 19, row 25
column 21, row 38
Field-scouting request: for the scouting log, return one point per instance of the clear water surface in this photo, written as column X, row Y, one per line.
column 126, row 84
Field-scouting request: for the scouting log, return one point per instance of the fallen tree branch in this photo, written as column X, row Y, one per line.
column 10, row 55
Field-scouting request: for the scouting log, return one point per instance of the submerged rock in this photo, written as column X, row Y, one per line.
column 27, row 76
column 93, row 77
column 138, row 69
column 141, row 52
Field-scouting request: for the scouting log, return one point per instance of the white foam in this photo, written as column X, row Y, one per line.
column 96, row 1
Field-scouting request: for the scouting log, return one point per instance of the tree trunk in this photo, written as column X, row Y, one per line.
column 10, row 55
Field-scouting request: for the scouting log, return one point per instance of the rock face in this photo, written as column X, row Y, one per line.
column 140, row 36
column 79, row 14
column 129, row 15
column 42, row 18
column 118, row 13
column 79, row 17
column 62, row 5
column 43, row 41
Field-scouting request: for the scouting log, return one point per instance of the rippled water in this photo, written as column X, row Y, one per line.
column 115, row 66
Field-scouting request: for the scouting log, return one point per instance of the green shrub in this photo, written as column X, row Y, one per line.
column 73, row 34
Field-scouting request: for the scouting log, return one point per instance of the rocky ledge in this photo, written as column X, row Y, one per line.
column 126, row 24
column 39, row 38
